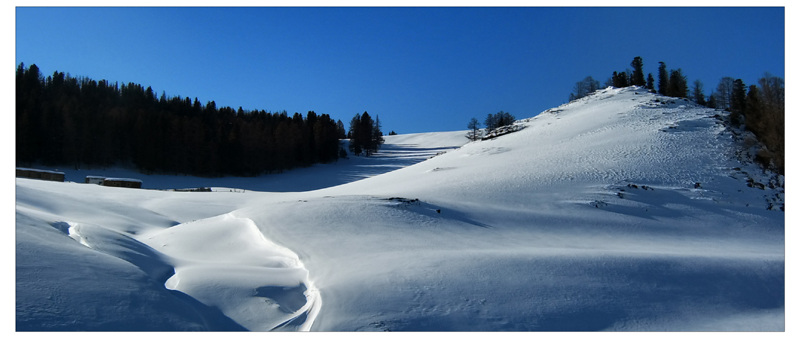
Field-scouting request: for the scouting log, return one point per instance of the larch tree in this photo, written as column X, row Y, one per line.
column 724, row 93
column 475, row 129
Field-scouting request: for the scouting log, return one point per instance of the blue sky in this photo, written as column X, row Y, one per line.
column 418, row 69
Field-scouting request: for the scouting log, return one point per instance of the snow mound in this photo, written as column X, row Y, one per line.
column 230, row 251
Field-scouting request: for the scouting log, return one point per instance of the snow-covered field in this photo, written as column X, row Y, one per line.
column 620, row 211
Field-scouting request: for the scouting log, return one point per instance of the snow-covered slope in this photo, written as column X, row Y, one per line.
column 620, row 211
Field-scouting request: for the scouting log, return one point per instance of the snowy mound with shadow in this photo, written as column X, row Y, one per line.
column 623, row 210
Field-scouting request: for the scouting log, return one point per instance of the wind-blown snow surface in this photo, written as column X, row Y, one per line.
column 589, row 218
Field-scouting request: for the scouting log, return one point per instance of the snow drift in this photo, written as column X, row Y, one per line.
column 623, row 210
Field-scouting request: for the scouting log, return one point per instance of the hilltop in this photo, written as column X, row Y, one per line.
column 623, row 210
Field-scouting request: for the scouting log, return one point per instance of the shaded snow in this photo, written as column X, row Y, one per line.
column 623, row 210
column 398, row 151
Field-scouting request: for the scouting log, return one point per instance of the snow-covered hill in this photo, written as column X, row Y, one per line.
column 620, row 211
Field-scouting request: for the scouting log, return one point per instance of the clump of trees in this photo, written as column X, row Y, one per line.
column 493, row 121
column 77, row 121
column 670, row 82
column 760, row 108
column 763, row 112
column 584, row 87
column 365, row 134
column 498, row 120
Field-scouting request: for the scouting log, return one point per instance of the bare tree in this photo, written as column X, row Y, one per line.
column 772, row 91
column 724, row 92
column 475, row 129
column 584, row 87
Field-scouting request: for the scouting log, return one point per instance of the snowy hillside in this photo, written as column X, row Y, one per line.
column 623, row 210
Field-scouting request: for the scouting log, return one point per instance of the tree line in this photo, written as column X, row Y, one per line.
column 758, row 108
column 80, row 122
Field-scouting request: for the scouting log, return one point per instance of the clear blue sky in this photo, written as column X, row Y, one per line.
column 419, row 69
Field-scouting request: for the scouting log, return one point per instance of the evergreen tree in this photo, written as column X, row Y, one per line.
column 365, row 135
column 624, row 80
column 752, row 111
column 712, row 101
column 498, row 120
column 506, row 119
column 738, row 100
column 677, row 84
column 697, row 93
column 490, row 122
column 663, row 78
column 638, row 74
column 620, row 79
column 354, row 123
column 649, row 84
column 341, row 133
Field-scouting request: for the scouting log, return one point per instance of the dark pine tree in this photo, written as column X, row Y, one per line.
column 365, row 134
column 677, row 84
column 638, row 74
column 340, row 131
column 738, row 101
column 752, row 111
column 697, row 93
column 712, row 101
column 663, row 78
column 623, row 80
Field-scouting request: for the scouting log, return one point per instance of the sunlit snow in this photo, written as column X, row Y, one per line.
column 623, row 210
